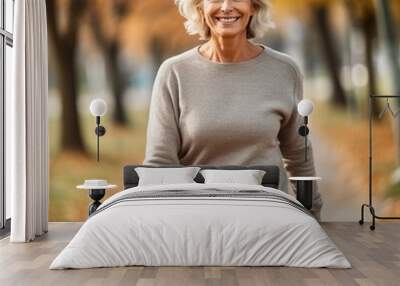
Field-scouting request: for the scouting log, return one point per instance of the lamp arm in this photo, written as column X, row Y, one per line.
column 100, row 131
column 303, row 131
column 305, row 140
column 98, row 137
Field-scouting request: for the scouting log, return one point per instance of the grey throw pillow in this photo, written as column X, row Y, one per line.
column 160, row 176
column 249, row 177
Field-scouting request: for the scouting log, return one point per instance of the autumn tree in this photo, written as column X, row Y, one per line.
column 315, row 13
column 389, row 37
column 329, row 49
column 64, row 43
column 362, row 16
column 158, row 30
column 106, row 18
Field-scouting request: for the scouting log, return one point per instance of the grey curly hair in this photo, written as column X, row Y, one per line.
column 195, row 24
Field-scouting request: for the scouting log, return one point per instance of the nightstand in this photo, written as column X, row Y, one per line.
column 97, row 190
column 304, row 189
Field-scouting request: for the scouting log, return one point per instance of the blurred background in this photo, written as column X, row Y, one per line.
column 347, row 49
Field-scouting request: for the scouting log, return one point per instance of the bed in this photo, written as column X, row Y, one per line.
column 201, row 224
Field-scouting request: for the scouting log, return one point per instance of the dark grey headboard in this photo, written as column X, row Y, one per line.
column 270, row 179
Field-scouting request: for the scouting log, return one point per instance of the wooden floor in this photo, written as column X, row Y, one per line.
column 375, row 257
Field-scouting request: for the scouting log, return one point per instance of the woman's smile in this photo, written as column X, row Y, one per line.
column 227, row 19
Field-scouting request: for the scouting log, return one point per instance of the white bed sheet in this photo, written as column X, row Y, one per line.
column 200, row 231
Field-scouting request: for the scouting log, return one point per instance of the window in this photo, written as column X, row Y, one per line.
column 6, row 44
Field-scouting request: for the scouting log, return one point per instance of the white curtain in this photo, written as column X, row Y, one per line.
column 26, row 124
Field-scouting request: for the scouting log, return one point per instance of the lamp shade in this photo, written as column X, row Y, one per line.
column 305, row 107
column 98, row 107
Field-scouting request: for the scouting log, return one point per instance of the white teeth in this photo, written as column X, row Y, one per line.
column 227, row 19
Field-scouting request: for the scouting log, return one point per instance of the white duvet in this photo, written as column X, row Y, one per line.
column 182, row 231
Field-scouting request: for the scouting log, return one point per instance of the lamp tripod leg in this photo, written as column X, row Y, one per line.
column 361, row 221
column 372, row 210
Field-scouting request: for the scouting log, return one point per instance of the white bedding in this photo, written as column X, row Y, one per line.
column 182, row 231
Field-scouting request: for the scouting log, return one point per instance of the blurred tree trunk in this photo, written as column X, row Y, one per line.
column 118, row 82
column 111, row 50
column 369, row 30
column 64, row 47
column 320, row 14
column 365, row 20
column 389, row 37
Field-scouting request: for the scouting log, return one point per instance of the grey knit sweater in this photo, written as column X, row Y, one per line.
column 245, row 113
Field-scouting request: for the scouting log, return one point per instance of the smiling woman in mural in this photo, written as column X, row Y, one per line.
column 229, row 101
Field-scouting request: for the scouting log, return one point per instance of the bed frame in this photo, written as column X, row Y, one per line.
column 270, row 179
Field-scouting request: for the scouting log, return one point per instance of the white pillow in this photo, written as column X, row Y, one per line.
column 249, row 177
column 161, row 176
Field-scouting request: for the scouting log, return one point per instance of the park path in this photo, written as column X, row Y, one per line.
column 341, row 196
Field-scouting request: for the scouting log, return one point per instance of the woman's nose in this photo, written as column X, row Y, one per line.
column 226, row 5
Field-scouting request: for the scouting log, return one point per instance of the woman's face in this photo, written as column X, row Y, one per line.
column 227, row 18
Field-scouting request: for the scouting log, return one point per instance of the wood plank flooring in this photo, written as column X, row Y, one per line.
column 375, row 257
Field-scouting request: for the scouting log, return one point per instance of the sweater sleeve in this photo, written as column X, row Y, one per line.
column 163, row 137
column 293, row 148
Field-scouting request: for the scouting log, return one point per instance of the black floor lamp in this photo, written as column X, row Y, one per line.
column 370, row 203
